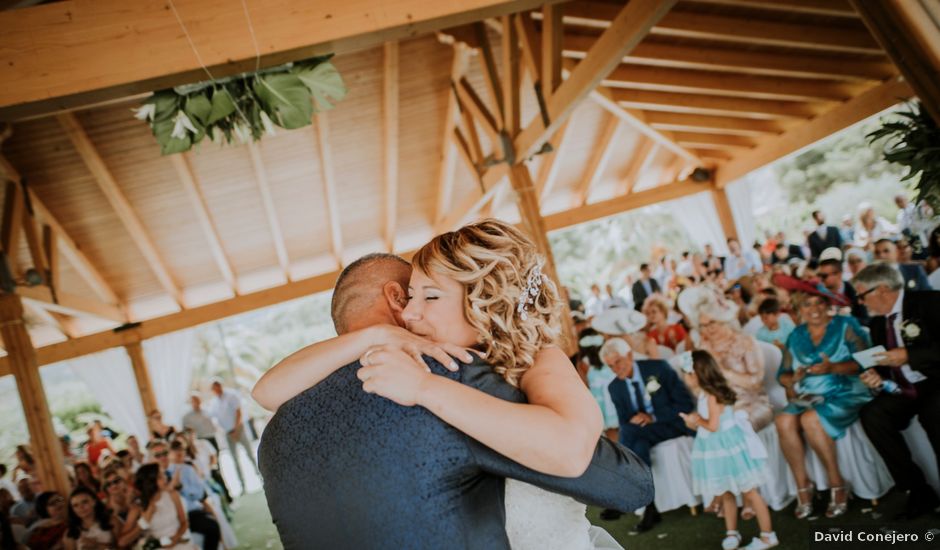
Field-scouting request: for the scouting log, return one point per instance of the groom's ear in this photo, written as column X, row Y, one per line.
column 396, row 296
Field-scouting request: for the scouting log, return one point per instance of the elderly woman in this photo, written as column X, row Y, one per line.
column 740, row 359
column 826, row 394
column 656, row 308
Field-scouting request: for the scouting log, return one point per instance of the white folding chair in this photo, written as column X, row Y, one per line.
column 672, row 474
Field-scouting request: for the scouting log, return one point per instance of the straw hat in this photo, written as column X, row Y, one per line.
column 618, row 321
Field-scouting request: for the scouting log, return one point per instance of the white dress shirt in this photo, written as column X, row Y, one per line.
column 912, row 375
column 226, row 408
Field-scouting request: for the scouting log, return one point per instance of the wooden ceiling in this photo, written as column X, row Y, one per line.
column 728, row 85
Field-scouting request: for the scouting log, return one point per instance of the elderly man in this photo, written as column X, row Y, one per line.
column 348, row 469
column 228, row 412
column 648, row 396
column 907, row 324
column 915, row 278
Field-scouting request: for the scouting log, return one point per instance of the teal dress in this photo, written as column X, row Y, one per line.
column 843, row 395
column 732, row 459
column 598, row 380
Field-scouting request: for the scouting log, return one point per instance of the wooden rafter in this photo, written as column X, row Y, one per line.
column 548, row 171
column 642, row 158
column 267, row 202
column 531, row 47
column 122, row 207
column 64, row 323
column 325, row 152
column 490, row 73
column 865, row 105
column 390, row 143
column 187, row 177
column 50, row 247
column 725, row 214
column 114, row 65
column 472, row 104
column 631, row 25
column 13, row 207
column 830, row 8
column 697, row 140
column 511, row 80
column 714, row 124
column 699, row 104
column 598, row 161
column 70, row 304
column 552, row 36
column 445, row 187
column 69, row 248
column 742, row 61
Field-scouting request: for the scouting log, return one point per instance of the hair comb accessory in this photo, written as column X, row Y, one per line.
column 532, row 290
column 684, row 362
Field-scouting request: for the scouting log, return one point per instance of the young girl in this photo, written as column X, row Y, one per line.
column 727, row 456
column 90, row 523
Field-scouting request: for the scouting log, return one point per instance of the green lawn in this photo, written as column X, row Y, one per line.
column 679, row 528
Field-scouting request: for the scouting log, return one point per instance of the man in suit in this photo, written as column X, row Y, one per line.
column 644, row 286
column 907, row 324
column 648, row 396
column 915, row 278
column 823, row 237
column 343, row 468
column 830, row 271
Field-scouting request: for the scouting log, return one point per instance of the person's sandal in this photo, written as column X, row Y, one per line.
column 766, row 540
column 804, row 509
column 731, row 541
column 714, row 507
column 835, row 508
column 747, row 513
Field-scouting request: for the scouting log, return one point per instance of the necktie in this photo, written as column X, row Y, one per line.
column 894, row 373
column 638, row 396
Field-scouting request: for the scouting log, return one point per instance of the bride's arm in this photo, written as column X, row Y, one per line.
column 308, row 366
column 555, row 433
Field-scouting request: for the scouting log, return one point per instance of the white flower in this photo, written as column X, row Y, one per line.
column 910, row 330
column 145, row 112
column 181, row 124
column 267, row 123
column 652, row 385
column 912, row 284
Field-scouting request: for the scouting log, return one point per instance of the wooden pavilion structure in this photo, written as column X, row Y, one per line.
column 548, row 114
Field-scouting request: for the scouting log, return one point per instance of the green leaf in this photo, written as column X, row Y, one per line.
column 198, row 108
column 166, row 103
column 286, row 100
column 222, row 106
column 324, row 81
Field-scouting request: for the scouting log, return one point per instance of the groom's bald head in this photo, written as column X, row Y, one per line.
column 369, row 291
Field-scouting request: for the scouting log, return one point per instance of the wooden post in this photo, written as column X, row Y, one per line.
column 139, row 363
column 725, row 214
column 47, row 451
column 532, row 220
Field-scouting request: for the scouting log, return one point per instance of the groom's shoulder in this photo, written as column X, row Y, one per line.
column 479, row 374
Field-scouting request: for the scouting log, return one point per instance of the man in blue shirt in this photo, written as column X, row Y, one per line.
column 191, row 487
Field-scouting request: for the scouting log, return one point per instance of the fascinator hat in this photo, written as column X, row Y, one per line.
column 814, row 287
column 697, row 300
column 618, row 321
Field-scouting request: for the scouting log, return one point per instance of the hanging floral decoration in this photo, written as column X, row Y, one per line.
column 242, row 107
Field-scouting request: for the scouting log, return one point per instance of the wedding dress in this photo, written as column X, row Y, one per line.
column 165, row 522
column 540, row 520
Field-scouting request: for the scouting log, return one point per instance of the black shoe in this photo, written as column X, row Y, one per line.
column 918, row 503
column 650, row 518
column 610, row 514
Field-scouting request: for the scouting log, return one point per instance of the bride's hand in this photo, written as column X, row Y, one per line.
column 393, row 374
column 392, row 337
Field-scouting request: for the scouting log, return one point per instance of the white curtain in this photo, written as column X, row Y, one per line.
column 698, row 215
column 110, row 378
column 739, row 197
column 168, row 362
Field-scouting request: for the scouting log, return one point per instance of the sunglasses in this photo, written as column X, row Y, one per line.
column 861, row 295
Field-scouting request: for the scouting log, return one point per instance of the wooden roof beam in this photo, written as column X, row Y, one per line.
column 512, row 81
column 733, row 85
column 743, row 61
column 325, row 152
column 68, row 69
column 122, row 207
column 490, row 72
column 267, row 202
column 70, row 304
column 714, row 124
column 552, row 33
column 390, row 142
column 700, row 104
column 828, row 8
column 695, row 140
column 774, row 147
column 631, row 25
column 548, row 170
column 184, row 171
column 642, row 159
column 472, row 103
column 13, row 207
column 445, row 186
column 598, row 161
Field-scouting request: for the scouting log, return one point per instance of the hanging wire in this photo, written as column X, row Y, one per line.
column 190, row 39
column 254, row 40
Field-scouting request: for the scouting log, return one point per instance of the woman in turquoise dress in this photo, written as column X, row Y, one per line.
column 598, row 377
column 825, row 392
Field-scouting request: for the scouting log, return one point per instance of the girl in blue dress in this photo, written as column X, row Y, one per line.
column 728, row 458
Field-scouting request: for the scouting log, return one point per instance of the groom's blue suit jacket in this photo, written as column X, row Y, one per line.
column 346, row 469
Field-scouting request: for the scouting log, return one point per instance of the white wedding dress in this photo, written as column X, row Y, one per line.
column 540, row 520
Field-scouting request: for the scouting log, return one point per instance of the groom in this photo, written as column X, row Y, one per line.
column 346, row 469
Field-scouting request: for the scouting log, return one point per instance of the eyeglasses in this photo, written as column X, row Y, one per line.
column 160, row 454
column 113, row 482
column 861, row 295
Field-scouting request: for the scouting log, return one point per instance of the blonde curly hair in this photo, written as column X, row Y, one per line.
column 493, row 261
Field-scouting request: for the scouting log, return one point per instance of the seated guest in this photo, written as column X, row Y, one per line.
column 826, row 395
column 855, row 259
column 776, row 326
column 191, row 488
column 158, row 429
column 85, row 478
column 915, row 278
column 907, row 324
column 830, row 273
column 660, row 330
column 46, row 533
column 933, row 258
column 649, row 396
column 741, row 361
column 90, row 523
column 629, row 325
column 162, row 509
column 24, row 511
column 598, row 377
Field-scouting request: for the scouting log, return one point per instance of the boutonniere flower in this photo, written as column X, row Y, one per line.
column 910, row 330
column 912, row 284
column 652, row 385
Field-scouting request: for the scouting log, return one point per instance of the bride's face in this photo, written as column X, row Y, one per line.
column 436, row 310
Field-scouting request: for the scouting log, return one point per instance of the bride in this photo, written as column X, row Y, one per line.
column 481, row 288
